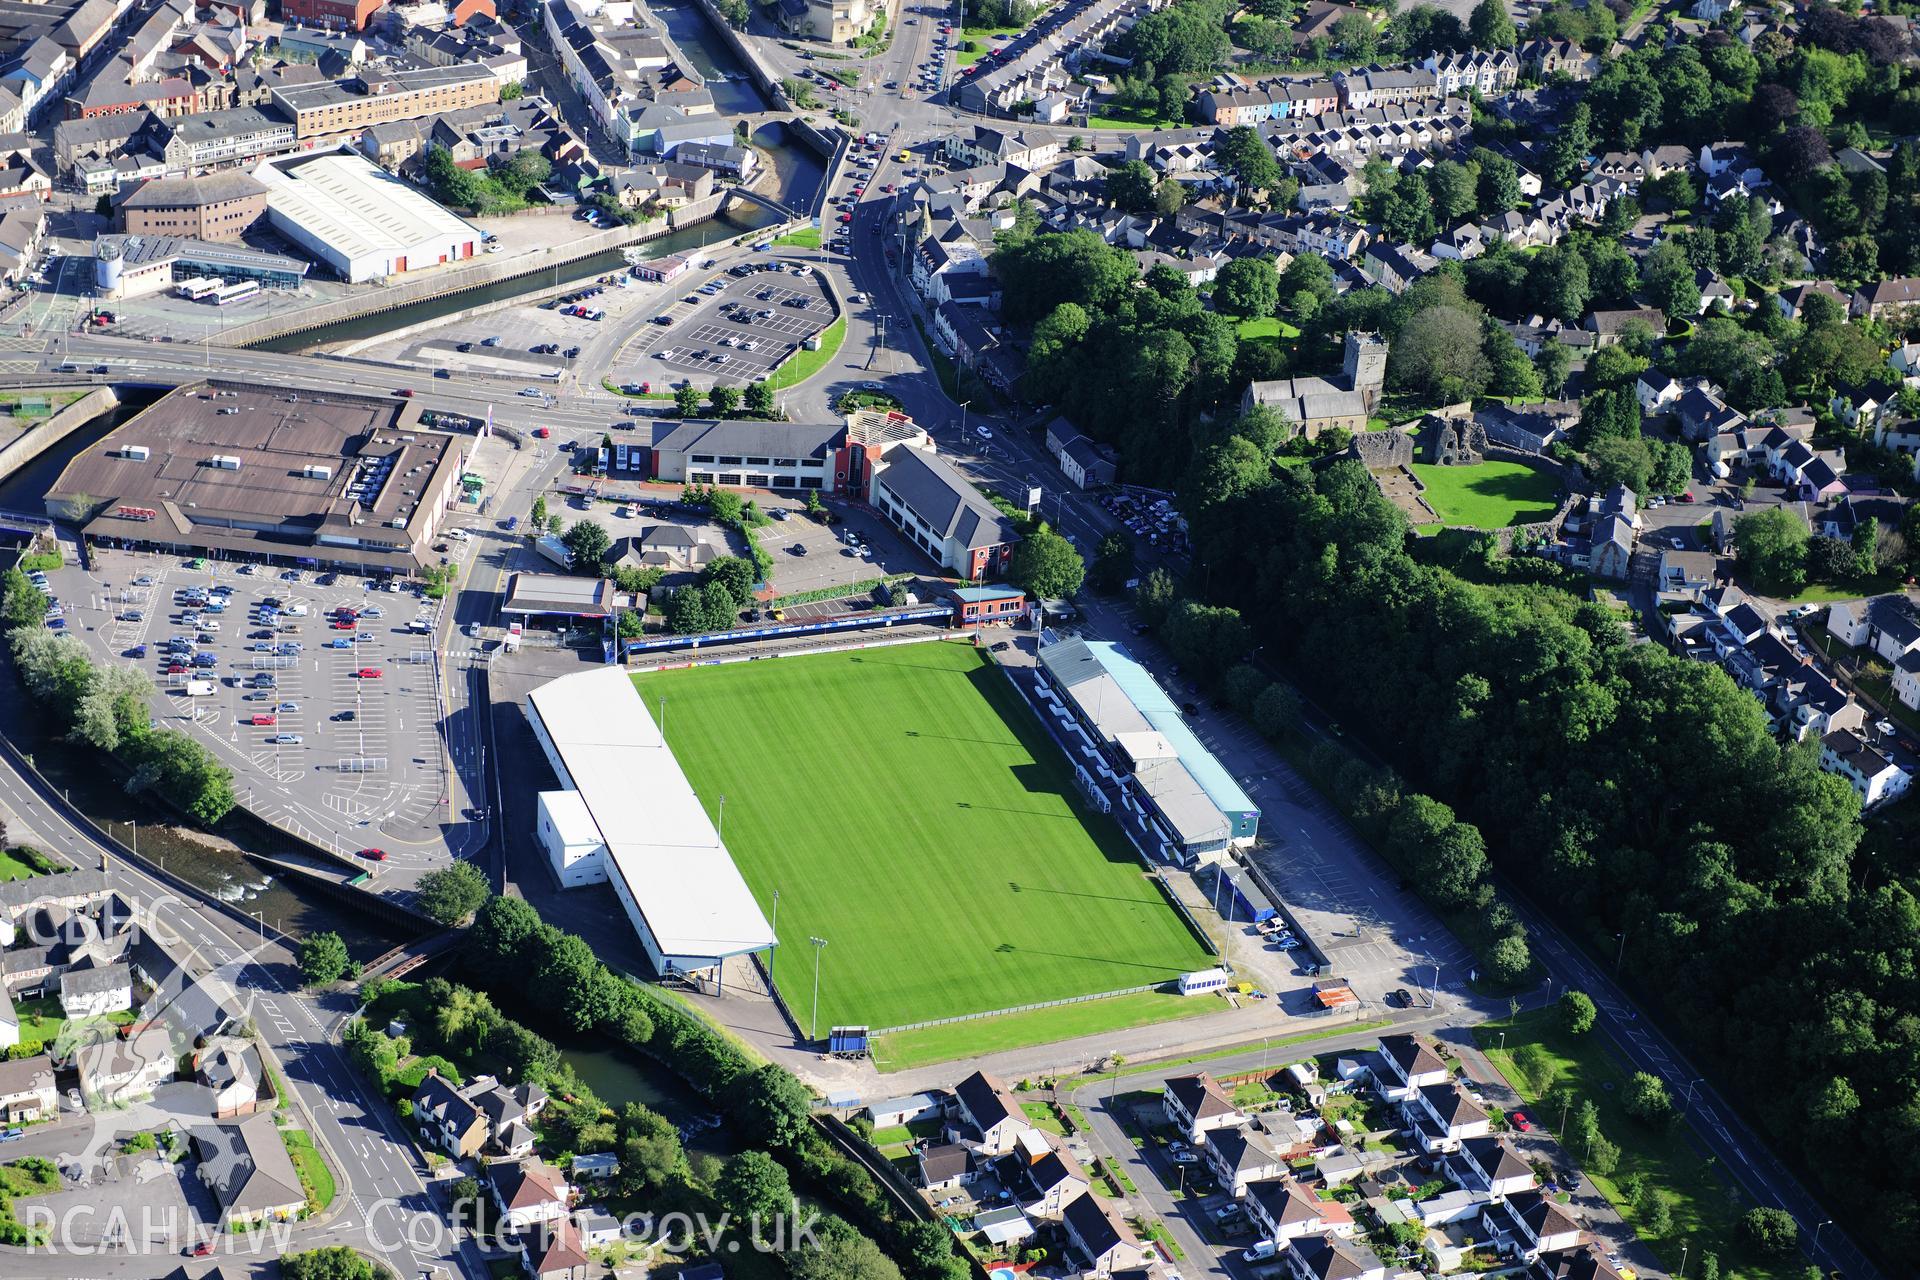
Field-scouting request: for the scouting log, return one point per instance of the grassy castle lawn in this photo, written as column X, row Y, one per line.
column 1488, row 495
column 913, row 813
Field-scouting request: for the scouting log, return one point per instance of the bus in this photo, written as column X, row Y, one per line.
column 234, row 293
column 196, row 288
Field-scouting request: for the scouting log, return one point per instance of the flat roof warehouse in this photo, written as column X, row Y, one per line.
column 674, row 877
column 252, row 470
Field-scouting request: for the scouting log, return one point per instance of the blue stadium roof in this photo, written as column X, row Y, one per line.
column 1159, row 710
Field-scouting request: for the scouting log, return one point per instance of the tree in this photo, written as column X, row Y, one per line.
column 1276, row 710
column 569, row 981
column 754, row 1186
column 1769, row 1233
column 1498, row 189
column 451, row 894
column 1307, row 276
column 1669, row 280
column 1208, row 637
column 539, row 513
column 1130, row 186
column 1508, row 959
column 774, row 1107
column 1243, row 153
column 324, row 959
column 1553, row 364
column 587, row 545
column 1046, row 566
column 1437, row 356
column 335, row 1262
column 686, row 400
column 1113, row 562
column 1647, row 1100
column 737, row 576
column 1771, row 545
column 1248, row 288
column 1491, row 27
column 723, row 400
column 25, row 604
column 759, row 399
column 1829, row 559
column 838, row 1251
column 651, row 1155
column 503, row 930
column 1356, row 35
column 1577, row 1012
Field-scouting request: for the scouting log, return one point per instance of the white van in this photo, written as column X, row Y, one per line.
column 295, row 610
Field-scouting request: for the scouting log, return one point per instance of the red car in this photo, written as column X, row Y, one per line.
column 174, row 669
column 347, row 612
column 1687, row 497
column 1520, row 1121
column 369, row 673
column 541, row 433
column 846, row 217
column 202, row 1250
column 374, row 855
column 344, row 624
column 262, row 721
column 406, row 393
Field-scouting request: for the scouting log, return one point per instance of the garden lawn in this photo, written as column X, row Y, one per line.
column 984, row 43
column 804, row 238
column 913, row 813
column 1488, row 495
column 1268, row 330
column 803, row 364
column 1540, row 1058
column 1115, row 116
column 14, row 867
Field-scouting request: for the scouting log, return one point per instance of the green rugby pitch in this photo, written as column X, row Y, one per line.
column 912, row 813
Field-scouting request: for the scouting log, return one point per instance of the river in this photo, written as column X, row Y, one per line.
column 742, row 218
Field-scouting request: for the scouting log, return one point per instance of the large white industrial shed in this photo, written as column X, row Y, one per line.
column 629, row 816
column 359, row 219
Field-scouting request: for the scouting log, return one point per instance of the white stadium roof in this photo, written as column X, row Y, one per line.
column 661, row 846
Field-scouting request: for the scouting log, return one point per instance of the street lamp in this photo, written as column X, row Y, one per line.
column 1688, row 1100
column 813, row 1024
column 1816, row 1234
column 261, row 917
column 1621, row 952
column 1433, row 992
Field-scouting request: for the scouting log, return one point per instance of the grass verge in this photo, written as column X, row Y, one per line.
column 804, row 238
column 315, row 1178
column 1260, row 1046
column 1538, row 1058
column 803, row 364
column 904, row 1050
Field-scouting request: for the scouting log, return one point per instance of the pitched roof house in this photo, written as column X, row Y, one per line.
column 247, row 1167
column 1195, row 1104
column 1101, row 1238
column 992, row 1117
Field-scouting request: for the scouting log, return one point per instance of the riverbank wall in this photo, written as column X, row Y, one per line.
column 36, row 441
column 477, row 275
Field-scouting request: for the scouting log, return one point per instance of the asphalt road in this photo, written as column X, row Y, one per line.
column 381, row 1193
